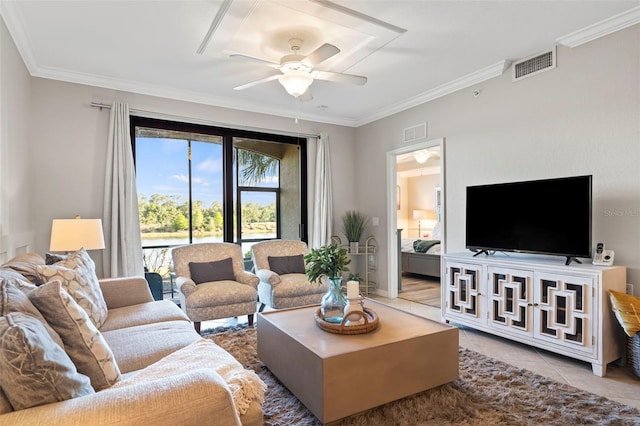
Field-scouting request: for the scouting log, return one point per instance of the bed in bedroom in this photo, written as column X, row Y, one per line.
column 420, row 256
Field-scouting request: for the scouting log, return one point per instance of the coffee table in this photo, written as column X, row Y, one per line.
column 336, row 375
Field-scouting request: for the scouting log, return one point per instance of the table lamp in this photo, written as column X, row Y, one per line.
column 72, row 234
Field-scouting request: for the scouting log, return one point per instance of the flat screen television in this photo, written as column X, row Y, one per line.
column 548, row 216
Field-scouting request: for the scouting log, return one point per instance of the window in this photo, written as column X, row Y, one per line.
column 205, row 184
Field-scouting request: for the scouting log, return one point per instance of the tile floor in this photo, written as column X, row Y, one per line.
column 619, row 384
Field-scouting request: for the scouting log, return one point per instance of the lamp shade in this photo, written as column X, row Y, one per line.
column 419, row 214
column 73, row 234
column 296, row 82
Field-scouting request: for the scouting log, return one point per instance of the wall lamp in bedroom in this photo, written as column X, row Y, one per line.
column 72, row 234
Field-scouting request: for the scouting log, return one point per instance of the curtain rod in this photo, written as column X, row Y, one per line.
column 162, row 115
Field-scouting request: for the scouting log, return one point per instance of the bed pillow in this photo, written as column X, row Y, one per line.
column 627, row 310
column 34, row 370
column 287, row 264
column 219, row 270
column 83, row 342
column 421, row 246
column 77, row 274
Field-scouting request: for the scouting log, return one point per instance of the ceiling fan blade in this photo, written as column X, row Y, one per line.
column 254, row 83
column 252, row 59
column 339, row 77
column 321, row 54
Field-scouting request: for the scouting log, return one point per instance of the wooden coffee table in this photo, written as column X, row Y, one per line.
column 336, row 375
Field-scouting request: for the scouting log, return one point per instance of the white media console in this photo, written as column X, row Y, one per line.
column 538, row 301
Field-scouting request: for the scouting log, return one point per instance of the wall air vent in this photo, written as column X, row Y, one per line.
column 534, row 65
column 415, row 133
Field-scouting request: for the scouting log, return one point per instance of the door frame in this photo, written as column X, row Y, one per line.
column 392, row 213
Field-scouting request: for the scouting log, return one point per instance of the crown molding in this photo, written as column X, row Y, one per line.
column 13, row 20
column 601, row 29
column 181, row 95
column 463, row 82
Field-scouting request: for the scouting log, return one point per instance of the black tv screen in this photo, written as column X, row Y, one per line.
column 550, row 216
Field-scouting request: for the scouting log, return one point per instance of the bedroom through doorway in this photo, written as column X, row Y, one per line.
column 419, row 225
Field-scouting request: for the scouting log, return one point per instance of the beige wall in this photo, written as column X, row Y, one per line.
column 581, row 118
column 69, row 138
column 15, row 177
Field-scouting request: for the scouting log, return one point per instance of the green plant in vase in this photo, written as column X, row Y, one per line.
column 353, row 225
column 329, row 261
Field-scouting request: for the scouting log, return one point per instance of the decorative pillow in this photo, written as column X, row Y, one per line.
column 205, row 272
column 421, row 246
column 287, row 264
column 25, row 264
column 83, row 342
column 78, row 277
column 18, row 280
column 34, row 370
column 627, row 310
column 12, row 299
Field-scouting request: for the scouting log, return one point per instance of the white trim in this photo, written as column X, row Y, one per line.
column 601, row 29
column 392, row 212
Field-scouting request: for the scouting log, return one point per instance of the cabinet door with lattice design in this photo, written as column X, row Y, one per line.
column 510, row 298
column 563, row 309
column 463, row 291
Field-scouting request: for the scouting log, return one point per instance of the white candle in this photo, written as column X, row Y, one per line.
column 353, row 289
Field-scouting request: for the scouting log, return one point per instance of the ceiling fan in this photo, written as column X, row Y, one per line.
column 297, row 72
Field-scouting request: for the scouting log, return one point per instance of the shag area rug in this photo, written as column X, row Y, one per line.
column 488, row 392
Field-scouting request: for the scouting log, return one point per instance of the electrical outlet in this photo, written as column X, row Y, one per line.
column 630, row 289
column 375, row 221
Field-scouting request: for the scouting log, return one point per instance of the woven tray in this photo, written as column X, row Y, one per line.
column 370, row 323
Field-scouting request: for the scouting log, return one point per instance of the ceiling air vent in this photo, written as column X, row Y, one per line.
column 415, row 133
column 534, row 65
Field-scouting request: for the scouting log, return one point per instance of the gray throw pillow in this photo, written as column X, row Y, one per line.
column 282, row 265
column 219, row 270
column 35, row 370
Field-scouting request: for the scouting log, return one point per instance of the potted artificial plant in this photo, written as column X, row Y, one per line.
column 353, row 224
column 329, row 261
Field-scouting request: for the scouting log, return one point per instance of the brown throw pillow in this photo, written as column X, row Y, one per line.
column 287, row 264
column 204, row 272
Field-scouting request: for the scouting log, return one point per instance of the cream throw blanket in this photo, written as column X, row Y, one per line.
column 245, row 385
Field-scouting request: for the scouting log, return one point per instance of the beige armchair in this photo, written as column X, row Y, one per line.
column 212, row 282
column 283, row 283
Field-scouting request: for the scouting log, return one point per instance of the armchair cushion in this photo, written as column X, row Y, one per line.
column 78, row 277
column 82, row 341
column 219, row 270
column 34, row 370
column 287, row 264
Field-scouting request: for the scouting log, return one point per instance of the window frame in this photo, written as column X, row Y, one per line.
column 228, row 135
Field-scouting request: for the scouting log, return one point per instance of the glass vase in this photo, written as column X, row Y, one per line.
column 333, row 302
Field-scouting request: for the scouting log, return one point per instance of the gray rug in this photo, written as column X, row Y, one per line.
column 489, row 392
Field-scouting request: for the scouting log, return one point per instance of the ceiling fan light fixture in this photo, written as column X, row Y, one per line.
column 296, row 83
column 422, row 156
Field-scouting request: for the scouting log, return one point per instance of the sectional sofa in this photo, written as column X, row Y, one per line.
column 78, row 350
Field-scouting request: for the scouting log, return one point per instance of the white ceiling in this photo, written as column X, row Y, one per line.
column 411, row 51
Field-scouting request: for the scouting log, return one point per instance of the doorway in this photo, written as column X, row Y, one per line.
column 416, row 215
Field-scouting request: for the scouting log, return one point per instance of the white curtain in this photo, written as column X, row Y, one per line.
column 322, row 195
column 123, row 254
